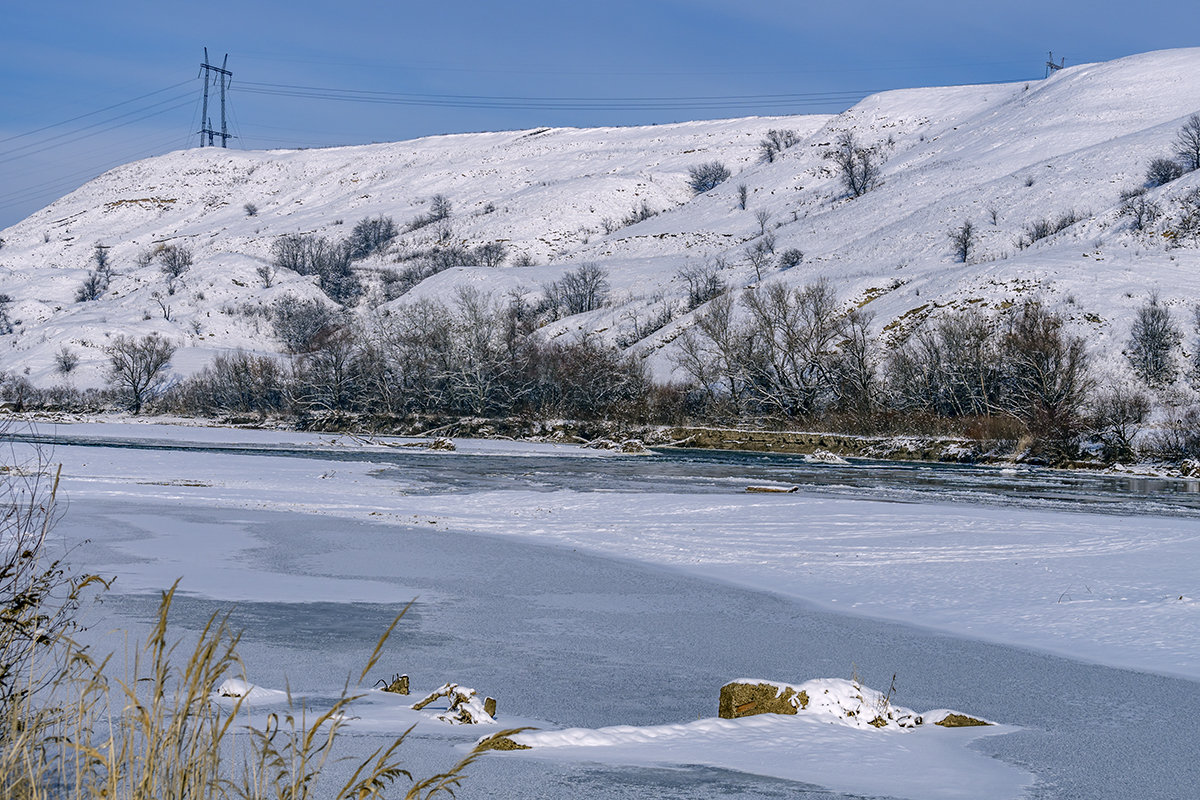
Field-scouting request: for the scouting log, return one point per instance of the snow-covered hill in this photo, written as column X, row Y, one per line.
column 1000, row 156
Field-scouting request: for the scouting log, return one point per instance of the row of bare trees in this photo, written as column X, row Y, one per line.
column 793, row 352
column 475, row 356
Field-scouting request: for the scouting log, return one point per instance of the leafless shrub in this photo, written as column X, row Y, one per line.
column 856, row 165
column 491, row 254
column 1162, row 171
column 65, row 360
column 1117, row 414
column 174, row 260
column 1178, row 438
column 371, row 235
column 439, row 210
column 703, row 283
column 775, row 142
column 1187, row 144
column 1142, row 212
column 301, row 324
column 579, row 291
column 790, row 258
column 706, row 177
column 639, row 212
column 1044, row 228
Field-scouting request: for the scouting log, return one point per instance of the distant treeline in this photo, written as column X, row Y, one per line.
column 771, row 355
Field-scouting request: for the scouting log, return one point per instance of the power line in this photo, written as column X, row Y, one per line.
column 718, row 102
column 82, row 133
column 92, row 113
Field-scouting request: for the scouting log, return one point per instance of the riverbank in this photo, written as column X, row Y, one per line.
column 941, row 449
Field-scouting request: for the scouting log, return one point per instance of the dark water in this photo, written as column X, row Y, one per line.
column 679, row 470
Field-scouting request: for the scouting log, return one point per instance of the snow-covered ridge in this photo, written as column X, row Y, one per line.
column 1001, row 156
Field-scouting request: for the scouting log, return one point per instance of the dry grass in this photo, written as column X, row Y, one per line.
column 69, row 729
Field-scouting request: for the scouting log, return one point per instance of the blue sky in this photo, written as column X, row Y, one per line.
column 452, row 66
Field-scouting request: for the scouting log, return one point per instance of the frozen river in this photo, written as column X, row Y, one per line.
column 586, row 590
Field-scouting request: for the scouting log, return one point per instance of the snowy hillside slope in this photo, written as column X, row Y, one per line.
column 1000, row 156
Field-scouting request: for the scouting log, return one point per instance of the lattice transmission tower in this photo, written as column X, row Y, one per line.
column 220, row 76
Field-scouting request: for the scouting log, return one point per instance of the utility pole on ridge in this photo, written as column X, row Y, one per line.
column 1051, row 66
column 214, row 74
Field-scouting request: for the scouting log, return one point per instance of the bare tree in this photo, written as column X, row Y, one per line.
column 705, row 177
column 856, row 368
column 1141, row 212
column 137, row 368
column 266, row 272
column 952, row 369
column 175, row 259
column 580, row 290
column 759, row 255
column 762, row 217
column 65, row 360
column 856, row 165
column 703, row 282
column 301, row 324
column 792, row 347
column 1153, row 339
column 1117, row 414
column 963, row 239
column 1187, row 144
column 371, row 235
column 742, row 192
column 1046, row 376
column 6, row 325
column 491, row 254
column 713, row 352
